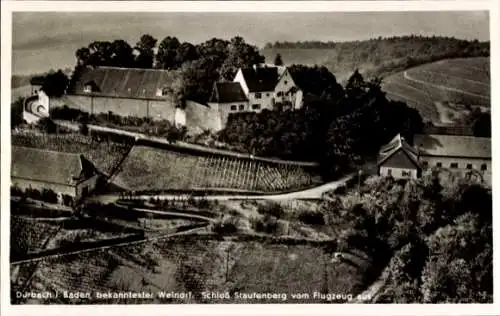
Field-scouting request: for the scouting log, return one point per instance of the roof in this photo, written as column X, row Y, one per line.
column 124, row 82
column 453, row 146
column 396, row 145
column 260, row 78
column 44, row 165
column 225, row 92
column 449, row 130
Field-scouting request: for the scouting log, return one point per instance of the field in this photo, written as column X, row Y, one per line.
column 443, row 91
column 198, row 266
column 152, row 169
column 29, row 235
column 104, row 155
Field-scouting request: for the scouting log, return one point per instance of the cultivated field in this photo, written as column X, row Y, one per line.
column 104, row 155
column 153, row 169
column 29, row 235
column 445, row 90
column 197, row 266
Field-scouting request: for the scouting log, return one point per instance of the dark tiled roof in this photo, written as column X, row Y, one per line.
column 261, row 78
column 396, row 145
column 225, row 92
column 44, row 165
column 125, row 82
column 454, row 146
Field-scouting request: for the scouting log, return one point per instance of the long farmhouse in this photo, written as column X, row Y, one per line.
column 125, row 91
column 461, row 155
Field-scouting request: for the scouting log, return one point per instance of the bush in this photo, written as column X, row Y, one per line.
column 15, row 191
column 312, row 218
column 227, row 226
column 271, row 209
column 268, row 224
column 49, row 196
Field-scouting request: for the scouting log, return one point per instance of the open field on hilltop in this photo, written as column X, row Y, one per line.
column 154, row 169
column 198, row 266
column 443, row 91
column 104, row 155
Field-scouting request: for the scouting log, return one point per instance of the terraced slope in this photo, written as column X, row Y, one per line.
column 153, row 169
column 445, row 90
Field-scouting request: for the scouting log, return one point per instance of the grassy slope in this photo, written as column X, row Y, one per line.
column 470, row 79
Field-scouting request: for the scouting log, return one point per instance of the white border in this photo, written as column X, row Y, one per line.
column 7, row 7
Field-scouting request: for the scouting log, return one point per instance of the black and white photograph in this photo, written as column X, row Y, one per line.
column 323, row 157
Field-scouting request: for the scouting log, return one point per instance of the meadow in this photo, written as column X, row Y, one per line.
column 443, row 91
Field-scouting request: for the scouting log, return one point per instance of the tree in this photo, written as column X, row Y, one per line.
column 122, row 54
column 145, row 46
column 82, row 56
column 355, row 85
column 168, row 51
column 482, row 125
column 239, row 54
column 54, row 85
column 278, row 61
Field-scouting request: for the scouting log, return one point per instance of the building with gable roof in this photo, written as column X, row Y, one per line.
column 63, row 173
column 126, row 92
column 462, row 155
column 227, row 98
column 399, row 160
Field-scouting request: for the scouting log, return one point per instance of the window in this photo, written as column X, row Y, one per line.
column 389, row 172
column 469, row 166
column 405, row 173
column 484, row 167
column 439, row 165
column 454, row 165
column 267, row 94
column 258, row 95
column 279, row 94
column 255, row 106
column 233, row 107
column 286, row 82
column 242, row 107
column 425, row 164
column 87, row 88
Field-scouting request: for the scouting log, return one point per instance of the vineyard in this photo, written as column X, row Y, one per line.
column 104, row 155
column 197, row 266
column 443, row 91
column 153, row 169
column 30, row 236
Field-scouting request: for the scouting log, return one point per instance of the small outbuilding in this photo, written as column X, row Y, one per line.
column 399, row 160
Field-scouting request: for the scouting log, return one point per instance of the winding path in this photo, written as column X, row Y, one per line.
column 312, row 194
column 408, row 77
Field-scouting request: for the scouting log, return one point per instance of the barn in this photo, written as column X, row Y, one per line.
column 125, row 92
column 63, row 173
column 460, row 154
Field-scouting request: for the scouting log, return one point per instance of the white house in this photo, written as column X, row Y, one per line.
column 399, row 160
column 227, row 98
column 258, row 84
column 287, row 94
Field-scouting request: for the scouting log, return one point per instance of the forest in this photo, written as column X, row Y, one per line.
column 384, row 55
column 432, row 237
